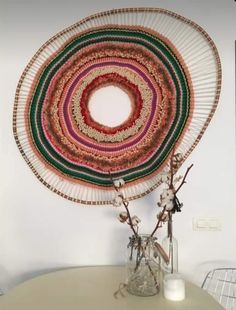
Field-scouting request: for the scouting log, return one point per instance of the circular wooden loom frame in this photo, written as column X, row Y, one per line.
column 167, row 64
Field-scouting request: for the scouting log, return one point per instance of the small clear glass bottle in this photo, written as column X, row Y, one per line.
column 170, row 245
column 143, row 266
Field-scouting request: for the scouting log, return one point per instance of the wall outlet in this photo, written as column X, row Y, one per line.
column 207, row 224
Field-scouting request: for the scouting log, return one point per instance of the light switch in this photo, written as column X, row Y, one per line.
column 207, row 224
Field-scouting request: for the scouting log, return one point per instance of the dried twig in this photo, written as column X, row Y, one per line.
column 125, row 204
column 122, row 287
column 184, row 178
column 158, row 222
column 172, row 169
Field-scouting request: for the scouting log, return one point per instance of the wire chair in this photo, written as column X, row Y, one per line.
column 221, row 284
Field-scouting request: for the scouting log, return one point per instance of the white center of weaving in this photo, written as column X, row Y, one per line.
column 110, row 106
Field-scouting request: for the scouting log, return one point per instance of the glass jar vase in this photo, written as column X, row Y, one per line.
column 143, row 266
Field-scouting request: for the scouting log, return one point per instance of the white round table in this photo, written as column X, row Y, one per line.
column 88, row 288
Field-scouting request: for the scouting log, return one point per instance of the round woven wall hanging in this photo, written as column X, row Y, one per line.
column 162, row 70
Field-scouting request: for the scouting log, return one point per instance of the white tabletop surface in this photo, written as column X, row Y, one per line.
column 88, row 288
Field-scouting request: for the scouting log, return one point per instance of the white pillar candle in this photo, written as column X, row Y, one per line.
column 174, row 287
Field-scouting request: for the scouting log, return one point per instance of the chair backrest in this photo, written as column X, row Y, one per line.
column 221, row 284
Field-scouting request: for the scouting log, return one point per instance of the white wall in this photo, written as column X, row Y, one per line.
column 40, row 231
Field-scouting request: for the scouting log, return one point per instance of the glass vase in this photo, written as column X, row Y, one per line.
column 143, row 266
column 170, row 245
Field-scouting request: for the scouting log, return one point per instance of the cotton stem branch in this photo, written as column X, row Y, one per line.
column 171, row 169
column 184, row 178
column 129, row 217
column 158, row 222
column 125, row 204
